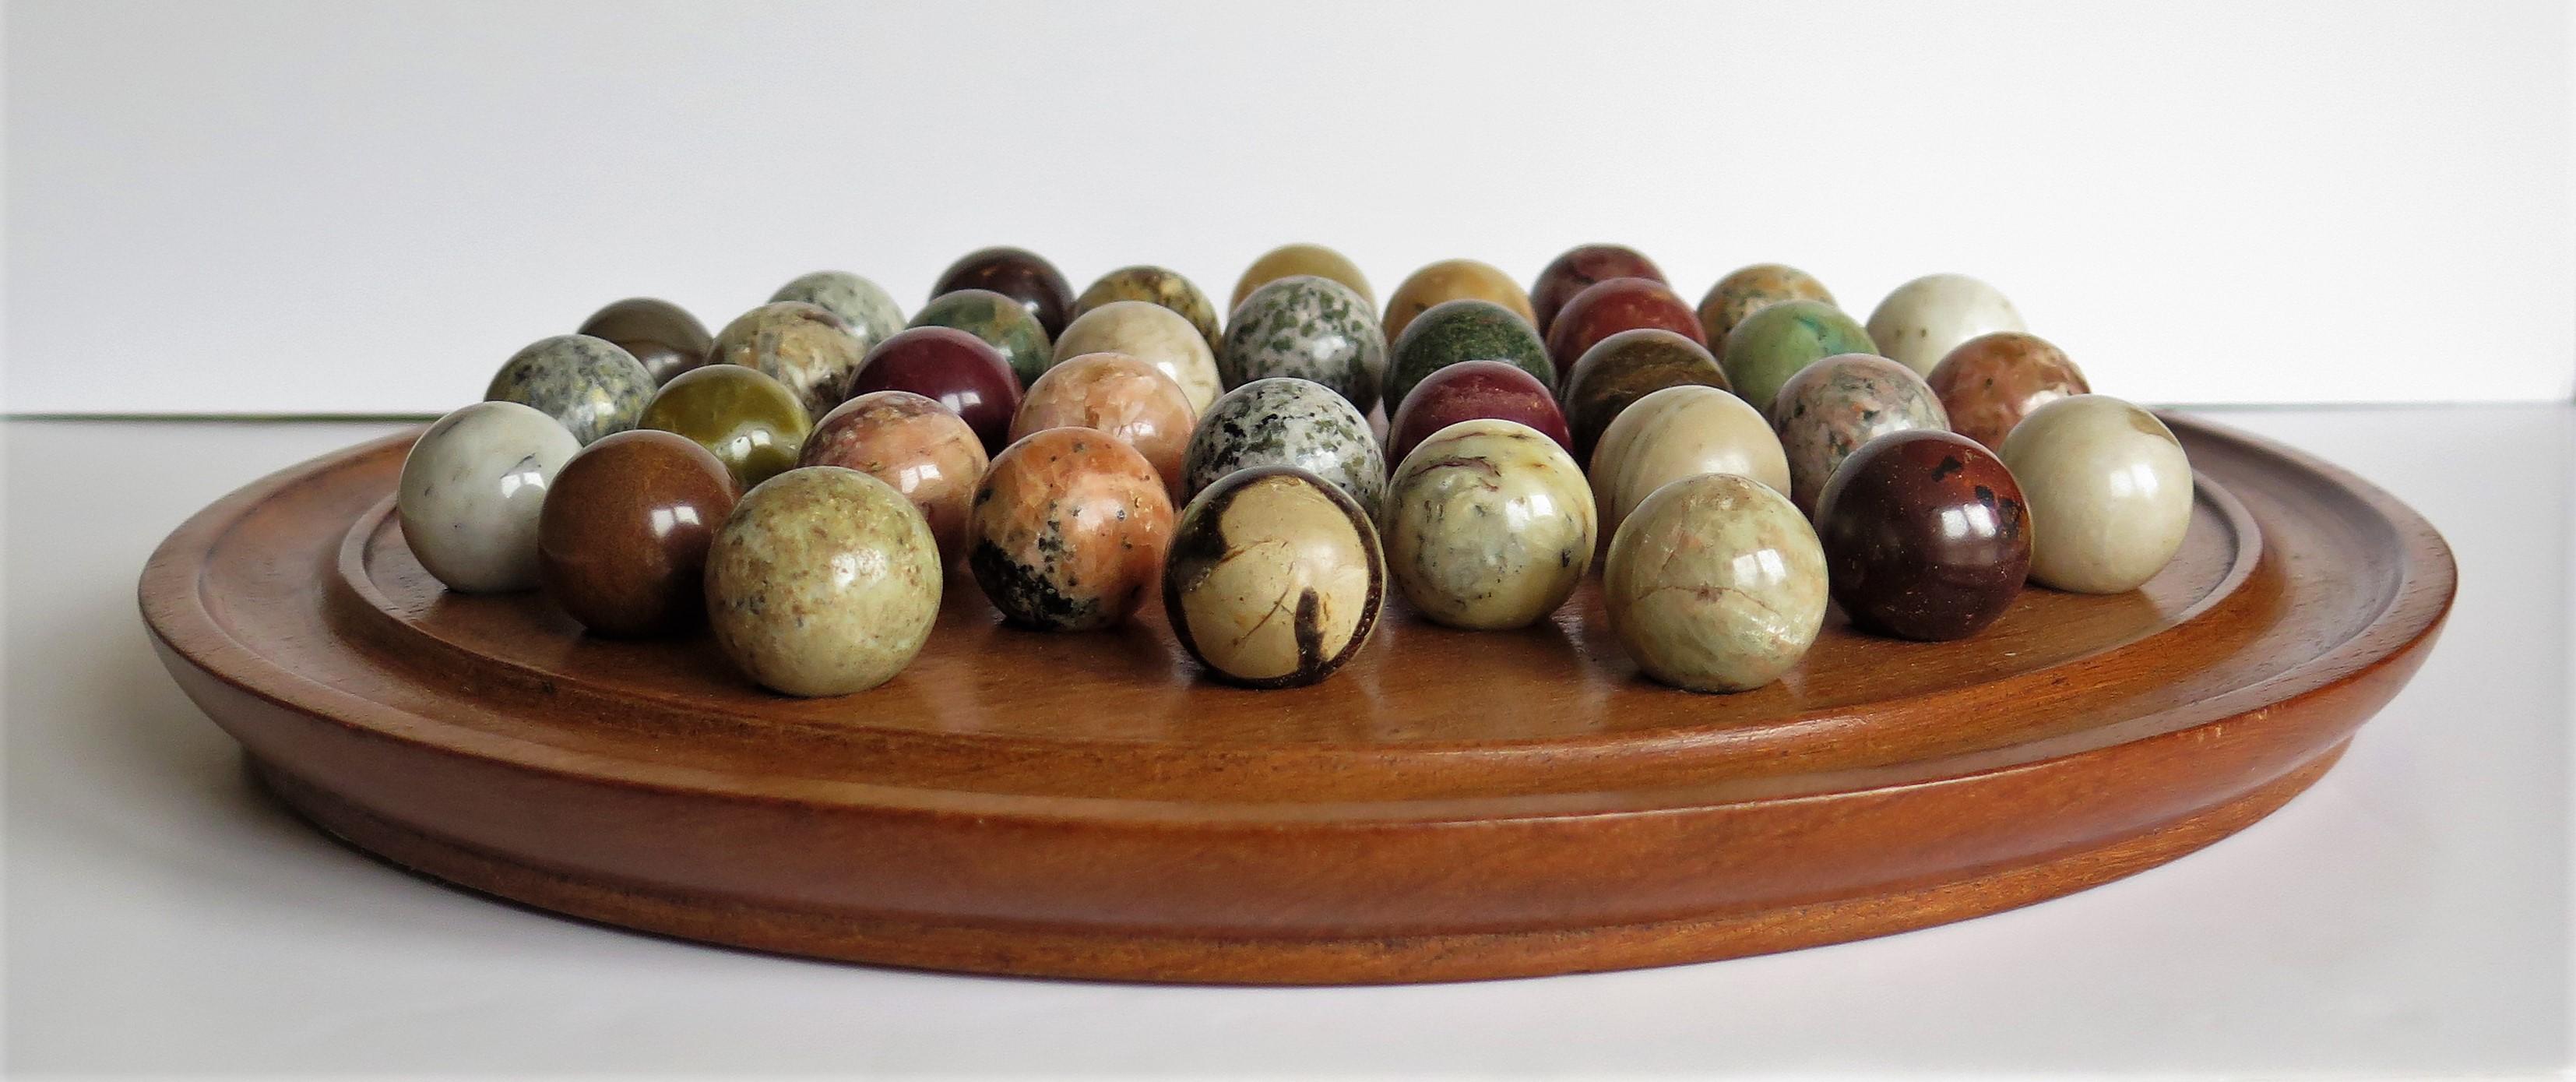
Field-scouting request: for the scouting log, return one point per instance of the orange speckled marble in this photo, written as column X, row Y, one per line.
column 921, row 448
column 1119, row 395
column 1069, row 530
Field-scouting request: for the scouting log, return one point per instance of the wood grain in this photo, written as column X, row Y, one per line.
column 1452, row 805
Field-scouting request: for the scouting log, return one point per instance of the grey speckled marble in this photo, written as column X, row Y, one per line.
column 591, row 385
column 1288, row 422
column 870, row 312
column 1310, row 328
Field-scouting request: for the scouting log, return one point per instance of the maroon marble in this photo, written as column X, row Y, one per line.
column 1470, row 390
column 950, row 367
column 1019, row 274
column 1620, row 304
column 1578, row 269
column 1925, row 535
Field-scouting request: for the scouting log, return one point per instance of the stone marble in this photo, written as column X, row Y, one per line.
column 663, row 336
column 1681, row 432
column 1150, row 333
column 1627, row 366
column 1926, row 536
column 1832, row 407
column 2110, row 493
column 1772, row 344
column 1294, row 259
column 1275, row 578
column 824, row 581
column 801, row 345
column 998, row 320
column 622, row 541
column 1469, row 390
column 1311, row 328
column 951, row 367
column 1577, row 269
column 1488, row 525
column 920, row 448
column 471, row 490
column 1750, row 289
column 1154, row 285
column 1449, row 280
column 863, row 307
column 1017, row 273
column 1124, row 397
column 1992, row 381
column 1923, row 320
column 1607, row 308
column 752, row 423
column 1716, row 584
column 591, row 385
column 1463, row 330
column 1069, row 530
column 1287, row 422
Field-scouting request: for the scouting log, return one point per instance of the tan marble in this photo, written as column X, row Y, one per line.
column 1449, row 280
column 2109, row 491
column 1679, row 432
column 801, row 345
column 1715, row 583
column 1151, row 333
column 824, row 581
column 1288, row 259
column 1275, row 577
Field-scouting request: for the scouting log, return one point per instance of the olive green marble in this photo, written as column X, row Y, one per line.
column 1465, row 329
column 1773, row 343
column 998, row 320
column 824, row 581
column 1154, row 285
column 1625, row 367
column 1308, row 327
column 868, row 311
column 1716, row 583
column 753, row 423
column 798, row 344
column 592, row 385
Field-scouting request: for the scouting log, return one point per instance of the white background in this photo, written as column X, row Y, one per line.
column 344, row 207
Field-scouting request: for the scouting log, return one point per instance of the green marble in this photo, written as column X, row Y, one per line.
column 865, row 309
column 1463, row 330
column 753, row 423
column 1773, row 343
column 996, row 319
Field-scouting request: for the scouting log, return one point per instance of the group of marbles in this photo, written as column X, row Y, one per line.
column 804, row 480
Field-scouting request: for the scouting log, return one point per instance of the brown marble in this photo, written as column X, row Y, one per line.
column 1578, row 269
column 1069, row 530
column 1120, row 395
column 622, row 540
column 1017, row 273
column 921, row 448
column 1926, row 536
column 659, row 333
column 1992, row 381
column 1625, row 367
column 1751, row 289
column 1607, row 308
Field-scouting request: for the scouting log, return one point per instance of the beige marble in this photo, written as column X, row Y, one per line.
column 1275, row 577
column 1681, row 432
column 1293, row 259
column 1449, row 280
column 824, row 581
column 798, row 344
column 1923, row 320
column 2109, row 491
column 1150, row 333
column 1488, row 525
column 1715, row 583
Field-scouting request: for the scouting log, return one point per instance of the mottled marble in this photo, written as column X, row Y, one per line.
column 1832, row 407
column 750, row 422
column 1310, row 328
column 471, row 490
column 1274, row 579
column 1488, row 525
column 1992, row 381
column 920, row 448
column 951, row 367
column 824, row 581
column 1125, row 397
column 1681, row 432
column 1288, row 422
column 1716, row 583
column 1294, row 259
column 1923, row 320
column 622, row 542
column 1069, row 530
column 1577, row 269
column 663, row 336
column 1470, row 390
column 2110, row 493
column 1154, row 285
column 1463, row 330
column 1607, row 308
column 863, row 307
column 1926, row 536
column 1150, row 333
column 1772, row 344
column 1017, row 273
column 802, row 346
column 998, row 320
column 1449, row 280
column 1750, row 289
column 1627, row 366
column 590, row 385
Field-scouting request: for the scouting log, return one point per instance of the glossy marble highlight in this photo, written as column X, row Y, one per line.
column 471, row 490
column 824, row 581
column 921, row 449
column 622, row 540
column 1926, row 536
column 2110, row 493
column 750, row 422
column 1275, row 578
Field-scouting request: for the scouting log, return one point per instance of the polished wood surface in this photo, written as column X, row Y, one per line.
column 1452, row 805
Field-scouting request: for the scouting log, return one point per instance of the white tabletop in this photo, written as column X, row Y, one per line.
column 2407, row 916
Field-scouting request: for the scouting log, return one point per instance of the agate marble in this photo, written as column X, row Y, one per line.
column 998, row 320
column 1627, row 366
column 1832, row 407
column 1926, row 536
column 1154, row 285
column 1275, row 578
column 1123, row 397
column 1069, row 530
column 661, row 335
column 801, row 345
column 951, row 367
column 1467, row 391
column 1288, row 422
column 1463, row 330
column 1681, row 432
column 1294, row 259
column 1923, row 320
column 752, row 423
column 1577, row 269
column 2110, row 493
column 862, row 306
column 1150, row 333
column 1449, row 280
column 1716, row 583
column 591, row 385
column 1311, row 328
column 918, row 447
column 1772, row 344
column 1488, row 525
column 1992, row 381
column 1751, row 289
column 471, row 490
column 1017, row 273
column 824, row 581
column 622, row 542
column 1607, row 308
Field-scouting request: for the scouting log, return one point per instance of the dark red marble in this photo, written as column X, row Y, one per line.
column 622, row 539
column 950, row 367
column 1925, row 534
column 1619, row 304
column 1577, row 270
column 1470, row 390
column 1019, row 274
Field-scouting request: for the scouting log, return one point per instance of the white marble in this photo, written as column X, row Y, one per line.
column 2109, row 493
column 1921, row 321
column 1151, row 333
column 471, row 490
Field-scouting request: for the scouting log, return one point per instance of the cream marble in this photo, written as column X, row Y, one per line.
column 1488, row 525
column 1715, row 583
column 2109, row 492
column 1681, row 432
column 1151, row 333
column 471, row 491
column 1923, row 320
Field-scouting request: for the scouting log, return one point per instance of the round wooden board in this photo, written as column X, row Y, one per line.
column 1452, row 805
